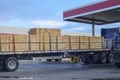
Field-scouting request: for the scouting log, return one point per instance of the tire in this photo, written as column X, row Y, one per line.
column 11, row 64
column 103, row 58
column 83, row 60
column 117, row 64
column 110, row 58
column 58, row 60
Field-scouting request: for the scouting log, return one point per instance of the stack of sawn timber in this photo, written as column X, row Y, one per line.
column 40, row 39
column 45, row 39
column 13, row 42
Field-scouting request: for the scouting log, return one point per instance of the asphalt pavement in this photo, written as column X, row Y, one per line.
column 42, row 70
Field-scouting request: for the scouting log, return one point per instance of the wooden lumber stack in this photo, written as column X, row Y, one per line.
column 61, row 45
column 96, row 42
column 74, row 42
column 66, row 42
column 47, row 38
column 21, row 42
column 45, row 32
column 84, row 42
column 41, row 39
column 6, row 43
column 46, row 43
column 57, row 43
column 6, row 40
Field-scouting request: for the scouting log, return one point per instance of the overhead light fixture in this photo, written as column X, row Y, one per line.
column 85, row 20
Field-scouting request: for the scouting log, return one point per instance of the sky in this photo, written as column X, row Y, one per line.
column 44, row 14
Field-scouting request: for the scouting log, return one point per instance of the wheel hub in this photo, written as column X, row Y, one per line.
column 12, row 64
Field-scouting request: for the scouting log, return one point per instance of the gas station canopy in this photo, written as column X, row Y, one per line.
column 105, row 12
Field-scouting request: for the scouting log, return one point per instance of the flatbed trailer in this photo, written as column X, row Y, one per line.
column 10, row 61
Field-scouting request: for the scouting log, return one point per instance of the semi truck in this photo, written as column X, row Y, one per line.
column 108, row 53
column 100, row 13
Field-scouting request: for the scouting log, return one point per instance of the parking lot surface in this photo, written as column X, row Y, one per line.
column 34, row 70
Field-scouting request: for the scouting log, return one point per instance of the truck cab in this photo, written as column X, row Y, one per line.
column 112, row 42
column 111, row 38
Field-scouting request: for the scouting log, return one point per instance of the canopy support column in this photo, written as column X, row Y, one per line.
column 93, row 27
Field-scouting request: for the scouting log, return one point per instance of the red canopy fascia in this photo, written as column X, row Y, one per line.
column 107, row 4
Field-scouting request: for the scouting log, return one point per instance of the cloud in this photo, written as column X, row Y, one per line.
column 75, row 29
column 79, row 28
column 19, row 22
column 49, row 23
column 75, row 33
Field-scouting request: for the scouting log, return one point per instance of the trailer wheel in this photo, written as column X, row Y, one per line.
column 103, row 58
column 110, row 58
column 58, row 60
column 117, row 64
column 11, row 64
column 84, row 60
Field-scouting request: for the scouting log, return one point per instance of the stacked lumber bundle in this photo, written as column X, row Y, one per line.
column 84, row 42
column 75, row 42
column 42, row 43
column 7, row 43
column 71, row 42
column 66, row 42
column 96, row 42
column 33, row 42
column 45, row 32
column 21, row 42
column 47, row 39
